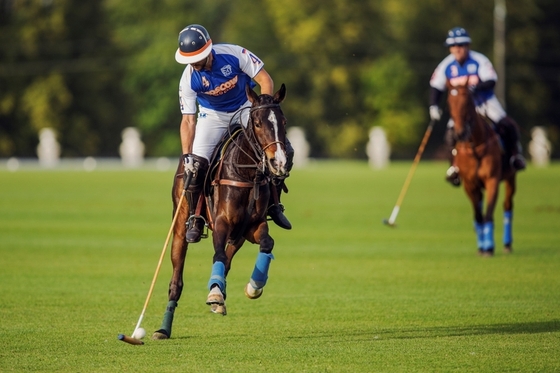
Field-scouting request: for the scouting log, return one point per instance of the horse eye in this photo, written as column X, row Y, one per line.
column 258, row 124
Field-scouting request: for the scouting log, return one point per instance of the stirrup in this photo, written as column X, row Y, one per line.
column 192, row 227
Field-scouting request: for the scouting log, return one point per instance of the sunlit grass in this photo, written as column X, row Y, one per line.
column 346, row 294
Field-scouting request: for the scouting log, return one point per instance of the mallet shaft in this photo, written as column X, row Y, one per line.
column 404, row 189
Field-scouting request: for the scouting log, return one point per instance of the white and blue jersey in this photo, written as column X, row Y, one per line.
column 222, row 88
column 477, row 68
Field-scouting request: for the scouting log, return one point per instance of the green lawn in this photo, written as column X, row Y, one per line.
column 78, row 251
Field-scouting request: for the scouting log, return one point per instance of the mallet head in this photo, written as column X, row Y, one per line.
column 130, row 340
column 386, row 222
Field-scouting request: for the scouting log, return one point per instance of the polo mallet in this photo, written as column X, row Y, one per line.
column 391, row 221
column 132, row 340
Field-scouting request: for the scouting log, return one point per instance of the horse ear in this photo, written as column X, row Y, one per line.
column 251, row 95
column 280, row 95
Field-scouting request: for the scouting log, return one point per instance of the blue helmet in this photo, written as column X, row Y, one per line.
column 457, row 35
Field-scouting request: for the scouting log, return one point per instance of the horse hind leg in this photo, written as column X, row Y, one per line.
column 508, row 214
column 178, row 255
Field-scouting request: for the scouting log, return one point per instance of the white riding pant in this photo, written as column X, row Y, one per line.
column 491, row 109
column 211, row 125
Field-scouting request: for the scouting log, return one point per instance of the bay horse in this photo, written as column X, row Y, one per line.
column 482, row 166
column 238, row 189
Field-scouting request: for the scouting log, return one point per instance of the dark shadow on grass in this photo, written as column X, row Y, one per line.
column 446, row 331
column 413, row 332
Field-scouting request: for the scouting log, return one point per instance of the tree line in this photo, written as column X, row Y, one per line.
column 88, row 69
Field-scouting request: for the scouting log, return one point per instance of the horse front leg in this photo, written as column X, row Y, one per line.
column 217, row 284
column 259, row 277
column 475, row 196
column 510, row 188
column 492, row 188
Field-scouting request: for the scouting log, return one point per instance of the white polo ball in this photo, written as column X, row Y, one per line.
column 139, row 333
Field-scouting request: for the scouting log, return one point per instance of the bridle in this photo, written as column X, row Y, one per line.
column 468, row 123
column 258, row 156
column 266, row 106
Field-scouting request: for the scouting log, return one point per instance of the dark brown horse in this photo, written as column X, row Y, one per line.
column 236, row 203
column 482, row 165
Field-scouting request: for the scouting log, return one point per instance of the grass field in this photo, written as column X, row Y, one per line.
column 345, row 294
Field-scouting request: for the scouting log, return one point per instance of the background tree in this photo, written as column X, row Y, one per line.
column 57, row 70
column 89, row 69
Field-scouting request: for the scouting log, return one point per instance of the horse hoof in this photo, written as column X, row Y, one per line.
column 252, row 293
column 160, row 334
column 219, row 309
column 508, row 249
column 215, row 297
column 486, row 253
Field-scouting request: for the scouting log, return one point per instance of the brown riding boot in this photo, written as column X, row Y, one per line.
column 276, row 209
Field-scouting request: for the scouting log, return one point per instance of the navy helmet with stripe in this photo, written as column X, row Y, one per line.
column 195, row 45
column 457, row 35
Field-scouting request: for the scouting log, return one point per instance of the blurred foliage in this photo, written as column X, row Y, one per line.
column 90, row 69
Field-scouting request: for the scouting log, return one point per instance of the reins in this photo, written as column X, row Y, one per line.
column 258, row 153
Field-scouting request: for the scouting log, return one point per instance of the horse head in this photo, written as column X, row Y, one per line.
column 268, row 124
column 461, row 109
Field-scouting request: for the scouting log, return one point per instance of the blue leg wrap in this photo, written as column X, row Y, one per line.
column 218, row 276
column 260, row 273
column 478, row 227
column 508, row 236
column 488, row 236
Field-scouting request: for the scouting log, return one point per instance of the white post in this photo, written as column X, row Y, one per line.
column 296, row 135
column 132, row 148
column 378, row 148
column 48, row 149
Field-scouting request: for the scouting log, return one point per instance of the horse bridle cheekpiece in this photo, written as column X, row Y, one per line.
column 467, row 130
column 262, row 150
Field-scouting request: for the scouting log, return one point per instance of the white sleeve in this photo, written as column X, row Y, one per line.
column 249, row 63
column 187, row 97
column 438, row 79
column 486, row 70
